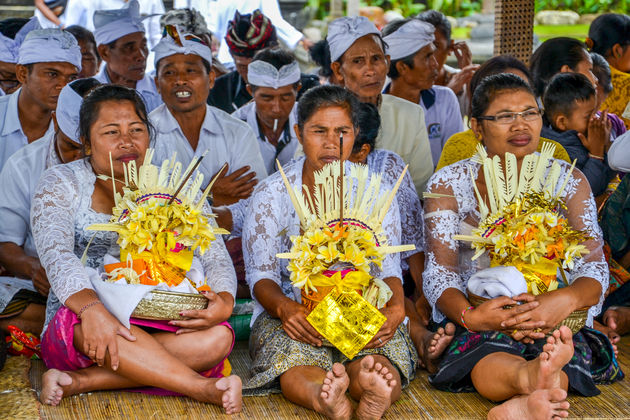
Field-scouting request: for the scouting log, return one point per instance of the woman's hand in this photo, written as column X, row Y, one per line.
column 553, row 308
column 293, row 317
column 219, row 310
column 493, row 316
column 395, row 314
column 99, row 329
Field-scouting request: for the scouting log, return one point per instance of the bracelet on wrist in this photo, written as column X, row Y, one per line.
column 464, row 322
column 88, row 306
column 596, row 157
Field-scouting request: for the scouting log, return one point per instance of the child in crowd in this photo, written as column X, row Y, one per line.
column 601, row 70
column 570, row 103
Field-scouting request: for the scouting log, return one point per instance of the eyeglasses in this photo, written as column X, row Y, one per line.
column 510, row 117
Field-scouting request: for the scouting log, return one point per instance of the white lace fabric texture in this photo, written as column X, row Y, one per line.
column 60, row 213
column 448, row 262
column 271, row 220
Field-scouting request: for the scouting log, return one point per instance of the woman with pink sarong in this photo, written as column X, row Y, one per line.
column 84, row 346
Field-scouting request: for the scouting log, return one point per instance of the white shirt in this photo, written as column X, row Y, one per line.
column 220, row 12
column 619, row 153
column 443, row 119
column 145, row 87
column 268, row 151
column 81, row 13
column 226, row 138
column 18, row 180
column 12, row 137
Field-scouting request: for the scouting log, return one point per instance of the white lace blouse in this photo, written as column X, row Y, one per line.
column 448, row 262
column 270, row 221
column 60, row 213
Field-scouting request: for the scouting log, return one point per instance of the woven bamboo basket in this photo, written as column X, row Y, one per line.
column 575, row 321
column 164, row 305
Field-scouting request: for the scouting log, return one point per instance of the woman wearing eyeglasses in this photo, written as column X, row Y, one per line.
column 501, row 353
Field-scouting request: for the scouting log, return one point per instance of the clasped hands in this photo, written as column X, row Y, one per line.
column 524, row 317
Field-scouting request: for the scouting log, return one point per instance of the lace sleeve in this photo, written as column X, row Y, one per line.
column 217, row 264
column 238, row 217
column 582, row 214
column 261, row 236
column 53, row 224
column 442, row 220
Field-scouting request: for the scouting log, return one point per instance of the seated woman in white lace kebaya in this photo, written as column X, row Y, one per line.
column 85, row 347
column 502, row 353
column 287, row 352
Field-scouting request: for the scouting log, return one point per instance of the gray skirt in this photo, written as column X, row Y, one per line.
column 273, row 352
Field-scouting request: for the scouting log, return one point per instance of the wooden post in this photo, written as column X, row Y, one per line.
column 336, row 9
column 514, row 28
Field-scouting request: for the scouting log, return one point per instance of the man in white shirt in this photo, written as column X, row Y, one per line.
column 12, row 34
column 121, row 43
column 413, row 70
column 274, row 82
column 185, row 124
column 48, row 60
column 18, row 181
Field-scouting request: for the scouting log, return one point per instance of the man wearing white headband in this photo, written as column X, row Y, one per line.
column 23, row 294
column 185, row 124
column 48, row 60
column 359, row 62
column 12, row 33
column 121, row 43
column 274, row 82
column 413, row 70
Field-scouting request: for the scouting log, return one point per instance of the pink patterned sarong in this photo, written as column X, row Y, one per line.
column 58, row 351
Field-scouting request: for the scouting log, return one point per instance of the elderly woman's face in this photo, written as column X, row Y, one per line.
column 320, row 136
column 118, row 131
column 518, row 137
column 363, row 68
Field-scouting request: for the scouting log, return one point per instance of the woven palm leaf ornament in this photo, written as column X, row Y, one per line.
column 522, row 223
column 160, row 222
column 342, row 241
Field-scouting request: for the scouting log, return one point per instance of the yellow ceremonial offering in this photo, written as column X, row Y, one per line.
column 348, row 331
column 343, row 242
column 160, row 222
column 522, row 224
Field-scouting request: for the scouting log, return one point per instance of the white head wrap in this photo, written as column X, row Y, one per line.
column 343, row 32
column 67, row 113
column 409, row 38
column 170, row 46
column 50, row 45
column 263, row 74
column 110, row 25
column 9, row 47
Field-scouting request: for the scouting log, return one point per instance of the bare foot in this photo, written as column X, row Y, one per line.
column 542, row 404
column 232, row 389
column 430, row 345
column 544, row 372
column 377, row 383
column 332, row 400
column 52, row 389
column 617, row 318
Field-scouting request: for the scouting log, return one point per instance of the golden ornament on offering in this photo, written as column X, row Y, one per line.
column 160, row 222
column 343, row 241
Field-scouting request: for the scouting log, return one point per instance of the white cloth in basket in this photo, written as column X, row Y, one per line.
column 497, row 281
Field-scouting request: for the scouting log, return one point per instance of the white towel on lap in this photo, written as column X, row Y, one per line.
column 497, row 281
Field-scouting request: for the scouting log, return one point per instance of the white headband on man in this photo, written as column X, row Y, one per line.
column 343, row 32
column 9, row 47
column 50, row 45
column 67, row 112
column 409, row 39
column 170, row 45
column 263, row 74
column 110, row 25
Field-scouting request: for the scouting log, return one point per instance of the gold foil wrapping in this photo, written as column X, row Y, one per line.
column 347, row 320
column 163, row 272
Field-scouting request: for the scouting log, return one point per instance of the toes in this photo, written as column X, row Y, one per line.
column 565, row 334
column 338, row 369
column 557, row 395
column 367, row 362
column 450, row 329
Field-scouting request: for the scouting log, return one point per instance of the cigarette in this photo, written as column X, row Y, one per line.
column 275, row 125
